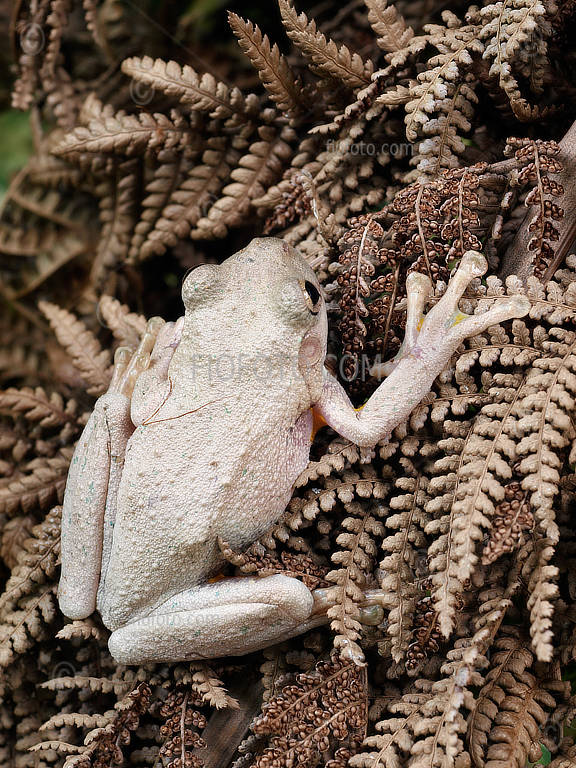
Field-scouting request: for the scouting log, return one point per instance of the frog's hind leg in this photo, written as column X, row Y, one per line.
column 89, row 508
column 90, row 495
column 231, row 617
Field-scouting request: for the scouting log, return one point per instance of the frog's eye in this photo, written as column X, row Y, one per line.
column 200, row 285
column 313, row 297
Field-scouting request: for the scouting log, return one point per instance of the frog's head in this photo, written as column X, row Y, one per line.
column 271, row 297
column 268, row 278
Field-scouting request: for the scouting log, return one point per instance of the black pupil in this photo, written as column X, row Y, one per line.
column 312, row 291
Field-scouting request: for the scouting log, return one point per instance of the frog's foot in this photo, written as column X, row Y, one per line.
column 418, row 289
column 371, row 608
column 445, row 326
column 154, row 387
column 231, row 617
column 446, row 322
column 129, row 364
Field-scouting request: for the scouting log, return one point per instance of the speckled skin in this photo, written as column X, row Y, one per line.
column 202, row 435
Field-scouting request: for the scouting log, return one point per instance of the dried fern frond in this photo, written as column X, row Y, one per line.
column 37, row 406
column 210, row 689
column 543, row 163
column 514, row 34
column 282, row 84
column 28, row 607
column 127, row 327
column 331, row 706
column 512, row 707
column 180, row 731
column 326, row 58
column 37, row 484
column 203, row 93
column 357, row 548
column 36, row 562
column 387, row 22
column 92, row 362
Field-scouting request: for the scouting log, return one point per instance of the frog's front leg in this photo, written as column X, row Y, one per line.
column 231, row 617
column 430, row 342
column 89, row 507
column 153, row 386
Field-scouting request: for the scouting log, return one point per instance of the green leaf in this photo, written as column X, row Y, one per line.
column 16, row 146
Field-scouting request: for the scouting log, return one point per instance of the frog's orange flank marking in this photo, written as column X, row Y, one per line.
column 318, row 421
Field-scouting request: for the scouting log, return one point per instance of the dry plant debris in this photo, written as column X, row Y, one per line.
column 379, row 139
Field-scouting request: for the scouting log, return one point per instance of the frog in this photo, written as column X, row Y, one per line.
column 201, row 436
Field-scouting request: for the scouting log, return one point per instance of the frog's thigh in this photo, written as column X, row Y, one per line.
column 228, row 618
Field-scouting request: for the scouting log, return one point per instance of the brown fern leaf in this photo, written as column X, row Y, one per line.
column 92, row 362
column 355, row 558
column 128, row 135
column 273, row 70
column 512, row 707
column 37, row 406
column 203, row 93
column 193, row 200
column 257, row 169
column 16, row 532
column 259, row 561
column 567, row 756
column 512, row 658
column 512, row 518
column 210, row 688
column 165, row 187
column 40, row 484
column 387, row 22
column 36, row 562
column 118, row 205
column 513, row 32
column 324, row 707
column 126, row 326
column 180, row 729
column 359, row 248
column 542, row 162
column 32, row 34
column 456, row 44
column 29, row 609
column 326, row 58
column 424, row 728
column 399, row 568
column 103, row 745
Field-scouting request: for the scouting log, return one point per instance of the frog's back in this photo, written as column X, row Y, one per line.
column 218, row 472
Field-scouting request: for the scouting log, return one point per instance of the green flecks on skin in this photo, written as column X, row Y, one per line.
column 90, row 497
